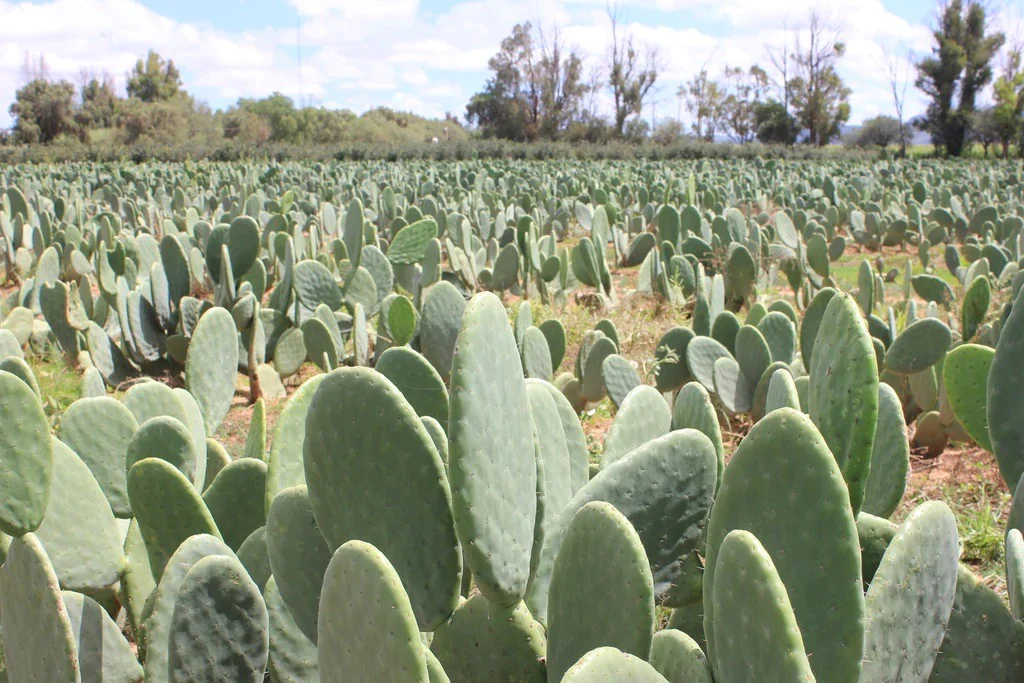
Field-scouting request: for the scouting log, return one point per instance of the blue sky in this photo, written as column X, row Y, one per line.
column 430, row 56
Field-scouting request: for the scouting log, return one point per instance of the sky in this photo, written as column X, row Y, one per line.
column 430, row 56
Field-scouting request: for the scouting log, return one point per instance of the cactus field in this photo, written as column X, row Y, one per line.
column 730, row 421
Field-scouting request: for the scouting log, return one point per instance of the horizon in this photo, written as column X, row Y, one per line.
column 307, row 50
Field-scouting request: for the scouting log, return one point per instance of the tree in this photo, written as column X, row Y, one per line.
column 880, row 131
column 774, row 124
column 959, row 68
column 99, row 100
column 745, row 90
column 534, row 91
column 705, row 100
column 154, row 80
column 632, row 71
column 1009, row 101
column 898, row 73
column 819, row 96
column 780, row 59
column 44, row 111
column 984, row 128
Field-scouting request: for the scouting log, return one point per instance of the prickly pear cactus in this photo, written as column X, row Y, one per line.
column 782, row 465
column 782, row 392
column 39, row 642
column 755, row 630
column 843, row 392
column 212, row 366
column 643, row 416
column 26, row 457
column 365, row 448
column 485, row 642
column 417, row 380
column 492, row 469
column 678, row 658
column 606, row 664
column 693, row 409
column 1005, row 379
column 920, row 346
column 602, row 544
column 293, row 656
column 219, row 629
column 284, row 464
column 103, row 652
column 235, row 499
column 965, row 373
column 367, row 629
column 166, row 438
column 890, row 457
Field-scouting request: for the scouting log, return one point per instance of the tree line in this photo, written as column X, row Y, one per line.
column 539, row 89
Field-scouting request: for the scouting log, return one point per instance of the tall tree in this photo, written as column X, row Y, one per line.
column 746, row 89
column 1008, row 110
column 819, row 97
column 99, row 100
column 959, row 67
column 705, row 101
column 897, row 71
column 44, row 111
column 779, row 56
column 632, row 71
column 154, row 79
column 536, row 88
column 775, row 125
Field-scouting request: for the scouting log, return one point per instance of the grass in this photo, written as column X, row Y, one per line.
column 58, row 382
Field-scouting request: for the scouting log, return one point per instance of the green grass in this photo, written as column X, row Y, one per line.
column 58, row 382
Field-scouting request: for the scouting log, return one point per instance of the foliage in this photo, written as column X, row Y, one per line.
column 774, row 124
column 819, row 97
column 44, row 111
column 959, row 68
column 880, row 131
column 154, row 79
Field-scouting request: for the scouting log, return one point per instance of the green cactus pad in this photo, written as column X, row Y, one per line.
column 608, row 665
column 79, row 531
column 367, row 626
column 410, row 243
column 843, row 393
column 103, row 653
column 575, row 440
column 99, row 430
column 975, row 307
column 554, row 333
column 1005, row 379
column 785, row 466
column 983, row 641
column 137, row 581
column 315, row 285
column 890, row 457
column 1015, row 572
column 965, row 373
column 440, row 320
column 147, row 400
column 38, row 640
column 418, row 381
column 756, row 632
column 725, row 329
column 536, row 355
column 366, row 448
column 256, row 438
column 593, row 380
column 23, row 371
column 664, row 489
column 678, row 658
column 670, row 356
column 219, row 628
column 920, row 346
column 701, row 354
column 732, row 387
column 166, row 438
column 293, row 656
column 643, row 416
column 212, row 366
column 812, row 323
column 601, row 544
column 782, row 392
column 484, row 642
column 195, row 424
column 932, row 288
column 556, row 483
column 236, row 499
column 298, row 556
column 255, row 557
column 693, row 409
column 780, row 334
column 620, row 378
column 26, row 457
column 492, row 469
column 168, row 509
column 284, row 464
column 321, row 348
column 909, row 601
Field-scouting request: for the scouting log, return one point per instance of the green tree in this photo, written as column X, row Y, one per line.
column 1008, row 111
column 705, row 101
column 99, row 101
column 984, row 128
column 819, row 96
column 632, row 72
column 880, row 131
column 959, row 68
column 745, row 89
column 774, row 124
column 153, row 79
column 44, row 111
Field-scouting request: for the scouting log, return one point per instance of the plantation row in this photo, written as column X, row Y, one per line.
column 429, row 508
